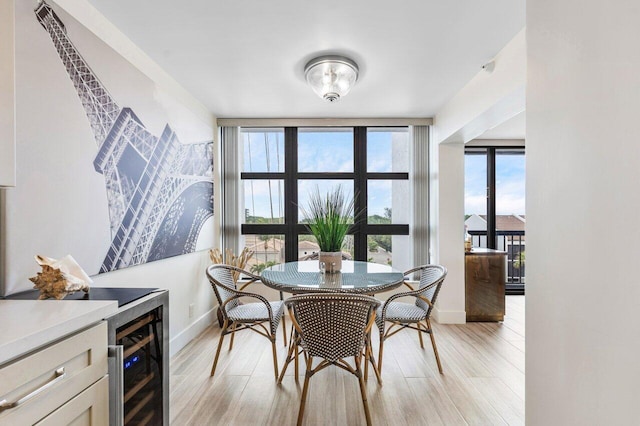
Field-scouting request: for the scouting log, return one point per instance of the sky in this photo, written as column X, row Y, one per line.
column 319, row 150
column 324, row 151
column 510, row 184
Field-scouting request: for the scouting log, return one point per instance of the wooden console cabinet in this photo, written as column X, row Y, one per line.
column 485, row 271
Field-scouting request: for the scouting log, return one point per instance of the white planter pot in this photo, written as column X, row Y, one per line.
column 332, row 260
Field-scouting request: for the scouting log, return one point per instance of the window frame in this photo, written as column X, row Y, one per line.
column 292, row 229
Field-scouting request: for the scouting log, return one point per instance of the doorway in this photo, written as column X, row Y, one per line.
column 495, row 206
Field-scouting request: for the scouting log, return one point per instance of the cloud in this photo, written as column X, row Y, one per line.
column 256, row 195
column 510, row 184
column 475, row 204
column 256, row 145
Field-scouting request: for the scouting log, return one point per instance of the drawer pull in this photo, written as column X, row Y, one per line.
column 59, row 376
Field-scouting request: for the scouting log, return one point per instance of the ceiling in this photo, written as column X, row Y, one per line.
column 245, row 58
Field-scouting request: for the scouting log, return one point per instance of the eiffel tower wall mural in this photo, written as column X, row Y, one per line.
column 122, row 172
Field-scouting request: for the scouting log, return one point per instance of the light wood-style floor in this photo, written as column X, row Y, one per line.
column 482, row 384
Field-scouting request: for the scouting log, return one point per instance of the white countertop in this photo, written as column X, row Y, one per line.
column 26, row 325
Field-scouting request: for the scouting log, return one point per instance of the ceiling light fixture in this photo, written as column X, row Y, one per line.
column 331, row 76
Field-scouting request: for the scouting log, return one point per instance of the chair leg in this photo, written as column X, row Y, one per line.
column 375, row 367
column 284, row 323
column 284, row 329
column 296, row 361
column 296, row 364
column 222, row 333
column 367, row 357
column 433, row 343
column 363, row 390
column 288, row 360
column 380, row 353
column 275, row 356
column 420, row 334
column 233, row 334
column 305, row 388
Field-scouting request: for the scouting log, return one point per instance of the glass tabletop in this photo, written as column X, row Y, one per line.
column 355, row 277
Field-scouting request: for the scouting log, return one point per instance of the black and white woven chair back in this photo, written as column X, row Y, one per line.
column 332, row 325
column 221, row 279
column 431, row 279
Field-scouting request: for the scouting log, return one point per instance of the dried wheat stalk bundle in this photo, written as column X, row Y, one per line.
column 230, row 258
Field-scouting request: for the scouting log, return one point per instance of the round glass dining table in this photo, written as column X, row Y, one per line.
column 355, row 277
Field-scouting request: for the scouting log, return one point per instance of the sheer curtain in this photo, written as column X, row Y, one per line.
column 420, row 176
column 230, row 186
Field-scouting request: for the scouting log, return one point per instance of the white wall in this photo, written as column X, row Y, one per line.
column 7, row 100
column 449, row 236
column 27, row 227
column 90, row 17
column 583, row 171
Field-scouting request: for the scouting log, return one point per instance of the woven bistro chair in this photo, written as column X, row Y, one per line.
column 242, row 316
column 332, row 326
column 399, row 315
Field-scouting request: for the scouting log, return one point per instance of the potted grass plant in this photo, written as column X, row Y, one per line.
column 328, row 218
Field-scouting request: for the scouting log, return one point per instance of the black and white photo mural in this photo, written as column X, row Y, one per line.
column 159, row 191
column 154, row 195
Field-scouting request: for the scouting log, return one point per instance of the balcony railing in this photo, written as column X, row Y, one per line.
column 513, row 243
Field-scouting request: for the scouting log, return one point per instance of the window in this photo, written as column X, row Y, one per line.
column 262, row 151
column 495, row 205
column 281, row 166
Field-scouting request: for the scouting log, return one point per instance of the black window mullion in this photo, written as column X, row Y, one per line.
column 262, row 175
column 386, row 229
column 360, row 189
column 302, row 229
column 327, row 175
column 263, row 229
column 291, row 193
column 491, row 198
column 388, row 176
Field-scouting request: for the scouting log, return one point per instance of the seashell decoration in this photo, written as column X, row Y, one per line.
column 59, row 277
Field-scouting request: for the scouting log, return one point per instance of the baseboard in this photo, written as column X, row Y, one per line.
column 192, row 331
column 449, row 317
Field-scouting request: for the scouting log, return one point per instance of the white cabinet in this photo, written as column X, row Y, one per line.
column 7, row 95
column 89, row 408
column 63, row 383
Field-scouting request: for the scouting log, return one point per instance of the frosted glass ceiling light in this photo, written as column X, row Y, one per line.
column 331, row 77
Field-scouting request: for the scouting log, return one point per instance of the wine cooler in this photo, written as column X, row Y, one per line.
column 139, row 362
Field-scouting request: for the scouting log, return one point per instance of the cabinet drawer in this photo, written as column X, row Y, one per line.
column 90, row 408
column 48, row 378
